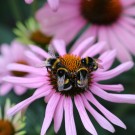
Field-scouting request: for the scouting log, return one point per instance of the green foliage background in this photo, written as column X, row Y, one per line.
column 12, row 11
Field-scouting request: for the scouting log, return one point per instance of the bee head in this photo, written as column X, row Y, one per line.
column 90, row 63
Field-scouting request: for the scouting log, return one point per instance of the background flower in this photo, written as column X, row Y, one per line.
column 12, row 54
column 11, row 125
column 59, row 102
column 105, row 23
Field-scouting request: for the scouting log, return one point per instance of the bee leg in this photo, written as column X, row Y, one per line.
column 61, row 82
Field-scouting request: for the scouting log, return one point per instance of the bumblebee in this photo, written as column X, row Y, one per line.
column 52, row 63
column 63, row 79
column 82, row 78
column 90, row 63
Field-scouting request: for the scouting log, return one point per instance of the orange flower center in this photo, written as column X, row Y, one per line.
column 6, row 128
column 71, row 62
column 40, row 39
column 101, row 12
column 19, row 73
column 72, row 65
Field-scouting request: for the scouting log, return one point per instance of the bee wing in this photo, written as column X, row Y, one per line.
column 98, row 61
column 61, row 82
column 43, row 64
column 51, row 51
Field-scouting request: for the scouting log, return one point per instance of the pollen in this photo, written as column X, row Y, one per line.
column 39, row 38
column 71, row 62
column 19, row 73
column 101, row 12
column 6, row 128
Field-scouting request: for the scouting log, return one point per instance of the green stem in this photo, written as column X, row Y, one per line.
column 15, row 10
column 34, row 7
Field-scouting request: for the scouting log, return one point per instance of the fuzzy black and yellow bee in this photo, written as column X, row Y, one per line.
column 63, row 79
column 82, row 78
column 90, row 63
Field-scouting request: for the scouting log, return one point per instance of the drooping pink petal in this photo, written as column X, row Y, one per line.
column 49, row 113
column 111, row 117
column 111, row 87
column 29, row 1
column 48, row 97
column 5, row 50
column 19, row 90
column 91, row 32
column 127, row 3
column 122, row 53
column 32, row 57
column 98, row 76
column 83, row 45
column 20, row 80
column 107, row 59
column 84, row 116
column 103, row 36
column 69, row 118
column 60, row 46
column 117, row 98
column 129, row 41
column 94, row 50
column 39, row 51
column 5, row 88
column 41, row 92
column 58, row 115
column 25, row 68
column 129, row 11
column 54, row 4
column 99, row 118
column 33, row 85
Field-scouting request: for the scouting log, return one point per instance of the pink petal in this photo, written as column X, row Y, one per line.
column 29, row 1
column 32, row 57
column 130, row 11
column 69, row 118
column 54, row 4
column 111, row 87
column 94, row 50
column 83, row 115
column 127, row 3
column 129, row 41
column 103, row 36
column 99, row 118
column 98, row 76
column 25, row 68
column 21, row 80
column 115, row 120
column 50, row 110
column 32, row 86
column 83, row 45
column 5, row 88
column 48, row 97
column 58, row 116
column 60, row 46
column 19, row 90
column 5, row 50
column 41, row 92
column 122, row 53
column 107, row 59
column 39, row 51
column 129, row 20
column 117, row 98
column 90, row 32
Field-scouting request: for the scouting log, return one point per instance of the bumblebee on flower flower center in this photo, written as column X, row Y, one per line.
column 69, row 74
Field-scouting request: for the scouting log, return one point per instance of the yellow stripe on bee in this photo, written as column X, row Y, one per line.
column 63, row 69
column 67, row 81
column 87, row 60
column 83, row 68
column 55, row 63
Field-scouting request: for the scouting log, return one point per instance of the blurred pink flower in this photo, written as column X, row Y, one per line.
column 59, row 102
column 54, row 4
column 115, row 24
column 12, row 54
